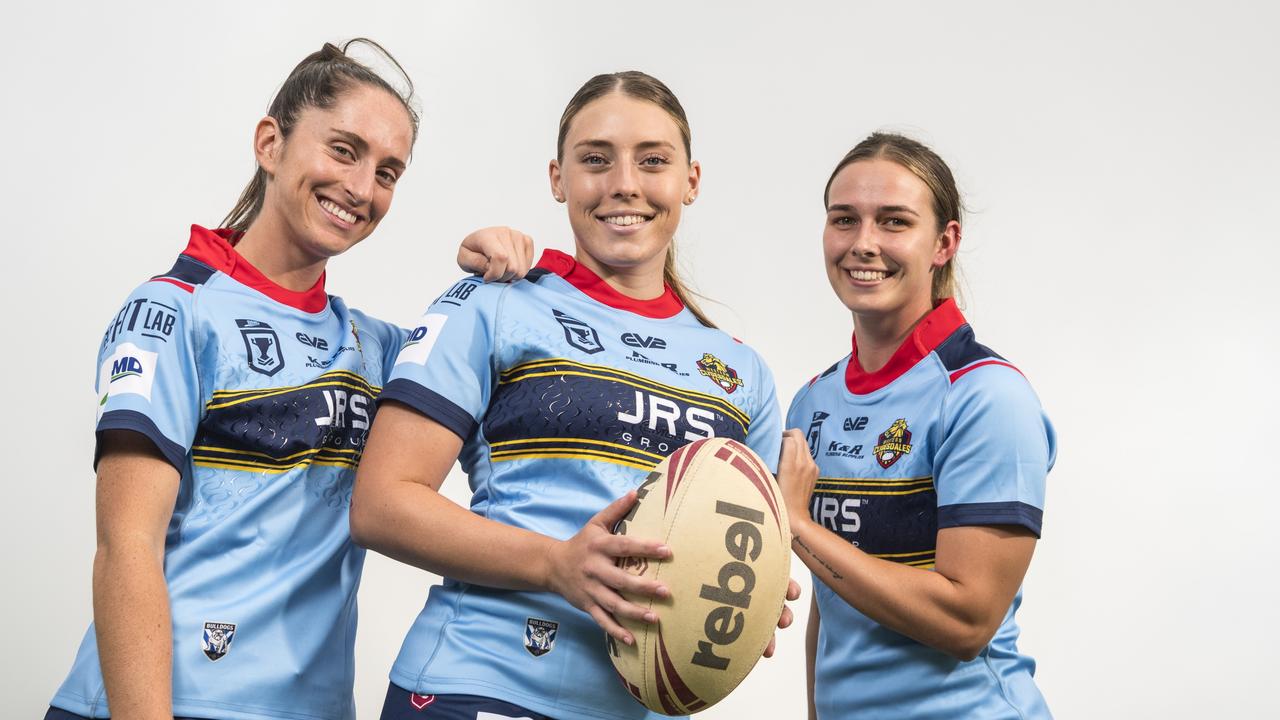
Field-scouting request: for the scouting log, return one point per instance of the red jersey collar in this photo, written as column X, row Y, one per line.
column 666, row 305
column 928, row 334
column 215, row 249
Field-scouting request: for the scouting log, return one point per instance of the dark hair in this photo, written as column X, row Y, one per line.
column 925, row 164
column 318, row 81
column 641, row 86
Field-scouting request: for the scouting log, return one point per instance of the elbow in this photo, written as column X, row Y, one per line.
column 968, row 642
column 364, row 526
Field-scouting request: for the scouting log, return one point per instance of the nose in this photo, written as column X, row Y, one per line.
column 863, row 243
column 626, row 180
column 358, row 183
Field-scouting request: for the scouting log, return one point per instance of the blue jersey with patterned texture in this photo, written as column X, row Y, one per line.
column 566, row 394
column 947, row 434
column 261, row 398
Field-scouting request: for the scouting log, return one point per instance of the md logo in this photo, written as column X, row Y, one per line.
column 127, row 366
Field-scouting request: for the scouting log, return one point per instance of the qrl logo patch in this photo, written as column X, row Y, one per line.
column 262, row 347
column 719, row 373
column 540, row 636
column 216, row 642
column 894, row 443
column 815, row 432
column 579, row 334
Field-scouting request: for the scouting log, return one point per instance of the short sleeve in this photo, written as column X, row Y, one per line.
column 764, row 435
column 445, row 369
column 996, row 451
column 147, row 371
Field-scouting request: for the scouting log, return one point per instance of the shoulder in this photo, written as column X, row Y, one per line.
column 159, row 308
column 980, row 381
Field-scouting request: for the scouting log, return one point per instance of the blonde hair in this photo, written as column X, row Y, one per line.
column 641, row 86
column 925, row 164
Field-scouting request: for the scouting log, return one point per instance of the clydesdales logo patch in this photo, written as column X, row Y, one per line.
column 420, row 702
column 894, row 443
column 217, row 638
column 719, row 373
column 579, row 334
column 540, row 636
column 262, row 345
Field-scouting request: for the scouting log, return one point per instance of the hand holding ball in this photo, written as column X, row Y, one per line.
column 719, row 509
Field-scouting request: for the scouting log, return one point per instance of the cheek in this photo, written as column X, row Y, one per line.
column 833, row 246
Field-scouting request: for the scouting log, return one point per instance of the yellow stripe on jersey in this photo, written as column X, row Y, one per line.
column 571, row 441
column 338, row 378
column 553, row 453
column 874, row 486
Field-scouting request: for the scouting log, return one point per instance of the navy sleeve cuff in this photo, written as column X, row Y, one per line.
column 133, row 420
column 994, row 513
column 432, row 404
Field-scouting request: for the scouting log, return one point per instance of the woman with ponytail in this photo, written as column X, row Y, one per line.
column 235, row 395
column 557, row 394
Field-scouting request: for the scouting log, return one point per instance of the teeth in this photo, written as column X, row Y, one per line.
column 869, row 274
column 337, row 211
column 625, row 219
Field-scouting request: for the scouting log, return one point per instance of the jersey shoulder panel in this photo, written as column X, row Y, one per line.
column 444, row 369
column 147, row 379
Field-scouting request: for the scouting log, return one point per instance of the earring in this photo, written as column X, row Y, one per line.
column 688, row 199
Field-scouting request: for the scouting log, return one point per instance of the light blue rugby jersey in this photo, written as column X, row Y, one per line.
column 261, row 398
column 566, row 393
column 947, row 434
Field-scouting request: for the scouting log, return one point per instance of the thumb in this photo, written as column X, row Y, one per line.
column 615, row 511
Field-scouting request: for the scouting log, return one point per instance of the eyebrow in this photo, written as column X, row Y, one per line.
column 882, row 209
column 642, row 146
column 362, row 147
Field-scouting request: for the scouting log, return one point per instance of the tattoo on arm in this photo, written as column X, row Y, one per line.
column 835, row 575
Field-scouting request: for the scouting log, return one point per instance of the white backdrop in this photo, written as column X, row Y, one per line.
column 1120, row 160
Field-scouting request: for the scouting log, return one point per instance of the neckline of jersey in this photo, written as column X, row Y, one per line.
column 216, row 248
column 666, row 305
column 928, row 334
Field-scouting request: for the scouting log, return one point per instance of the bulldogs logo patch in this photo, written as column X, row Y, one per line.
column 262, row 346
column 217, row 638
column 719, row 373
column 540, row 636
column 894, row 443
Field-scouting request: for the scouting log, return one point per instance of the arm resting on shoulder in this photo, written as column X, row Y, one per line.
column 136, row 491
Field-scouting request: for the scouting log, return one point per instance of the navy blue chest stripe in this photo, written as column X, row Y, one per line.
column 961, row 348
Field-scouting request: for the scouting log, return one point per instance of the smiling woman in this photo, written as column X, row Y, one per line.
column 235, row 396
column 558, row 395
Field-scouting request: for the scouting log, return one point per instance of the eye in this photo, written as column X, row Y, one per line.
column 897, row 223
column 654, row 161
column 343, row 151
column 843, row 220
column 387, row 177
column 595, row 159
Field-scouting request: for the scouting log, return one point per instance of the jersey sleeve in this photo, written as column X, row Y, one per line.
column 445, row 369
column 147, row 371
column 996, row 451
column 764, row 435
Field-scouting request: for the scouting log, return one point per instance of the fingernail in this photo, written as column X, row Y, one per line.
column 650, row 618
column 663, row 592
column 629, row 640
column 664, row 549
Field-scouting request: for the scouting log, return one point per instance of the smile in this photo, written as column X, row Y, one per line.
column 625, row 220
column 332, row 208
column 869, row 275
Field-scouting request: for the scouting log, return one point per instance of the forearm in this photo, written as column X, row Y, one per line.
column 415, row 524
column 923, row 605
column 811, row 650
column 134, row 630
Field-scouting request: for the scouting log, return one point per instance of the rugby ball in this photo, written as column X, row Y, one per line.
column 718, row 508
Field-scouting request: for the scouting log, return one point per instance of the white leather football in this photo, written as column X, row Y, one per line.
column 718, row 508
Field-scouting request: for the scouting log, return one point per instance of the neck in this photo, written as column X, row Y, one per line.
column 642, row 282
column 283, row 263
column 880, row 336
